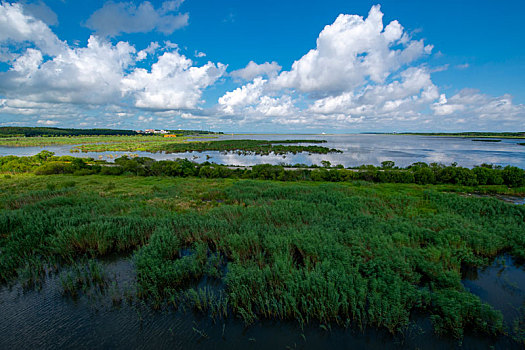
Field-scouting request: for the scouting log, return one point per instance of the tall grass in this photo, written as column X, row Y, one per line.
column 367, row 255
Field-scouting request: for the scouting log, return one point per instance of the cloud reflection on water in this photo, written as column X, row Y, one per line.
column 358, row 149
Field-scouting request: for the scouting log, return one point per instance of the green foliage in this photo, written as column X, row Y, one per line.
column 51, row 168
column 45, row 131
column 419, row 173
column 363, row 254
column 260, row 147
column 387, row 164
column 513, row 176
column 83, row 275
column 456, row 311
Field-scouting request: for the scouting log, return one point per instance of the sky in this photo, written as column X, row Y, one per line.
column 271, row 66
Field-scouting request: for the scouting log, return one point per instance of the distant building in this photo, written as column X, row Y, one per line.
column 155, row 131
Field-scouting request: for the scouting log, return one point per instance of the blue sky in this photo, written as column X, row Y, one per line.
column 272, row 66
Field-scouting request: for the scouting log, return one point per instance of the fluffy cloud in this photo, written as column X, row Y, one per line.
column 357, row 73
column 150, row 50
column 115, row 18
column 252, row 102
column 47, row 122
column 253, row 70
column 361, row 74
column 408, row 95
column 172, row 83
column 91, row 74
column 39, row 10
column 350, row 52
column 17, row 26
column 470, row 104
column 233, row 101
column 100, row 73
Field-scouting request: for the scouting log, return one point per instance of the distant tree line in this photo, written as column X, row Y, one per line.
column 43, row 131
column 470, row 134
column 12, row 131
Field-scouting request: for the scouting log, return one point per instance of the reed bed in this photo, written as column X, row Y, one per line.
column 356, row 254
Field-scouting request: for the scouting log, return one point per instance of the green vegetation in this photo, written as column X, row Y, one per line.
column 9, row 131
column 261, row 147
column 113, row 142
column 354, row 253
column 18, row 131
column 45, row 163
column 159, row 143
column 487, row 140
column 510, row 135
column 82, row 276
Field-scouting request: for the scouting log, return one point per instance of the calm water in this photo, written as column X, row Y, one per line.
column 358, row 149
column 501, row 285
column 45, row 319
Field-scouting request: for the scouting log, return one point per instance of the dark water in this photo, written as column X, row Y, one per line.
column 501, row 285
column 358, row 149
column 45, row 319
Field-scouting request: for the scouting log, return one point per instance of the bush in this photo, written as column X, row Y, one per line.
column 424, row 176
column 111, row 170
column 513, row 176
column 51, row 168
column 396, row 176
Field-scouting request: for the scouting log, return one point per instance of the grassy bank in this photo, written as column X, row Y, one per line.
column 259, row 147
column 158, row 143
column 353, row 253
column 116, row 141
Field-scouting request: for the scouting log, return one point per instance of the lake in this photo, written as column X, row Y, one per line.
column 46, row 319
column 358, row 149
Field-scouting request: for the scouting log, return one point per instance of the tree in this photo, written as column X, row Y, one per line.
column 387, row 164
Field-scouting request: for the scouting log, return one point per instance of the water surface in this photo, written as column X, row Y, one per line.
column 358, row 149
column 47, row 320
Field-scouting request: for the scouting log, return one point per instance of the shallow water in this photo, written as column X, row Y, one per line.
column 358, row 149
column 45, row 319
column 501, row 285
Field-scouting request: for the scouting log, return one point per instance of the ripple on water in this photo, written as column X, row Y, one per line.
column 45, row 319
column 502, row 285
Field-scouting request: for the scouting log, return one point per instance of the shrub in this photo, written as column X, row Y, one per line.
column 51, row 168
column 513, row 176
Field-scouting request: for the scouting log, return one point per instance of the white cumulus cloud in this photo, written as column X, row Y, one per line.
column 115, row 18
column 90, row 74
column 253, row 70
column 360, row 74
column 49, row 72
column 17, row 26
column 172, row 83
column 479, row 108
column 350, row 52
